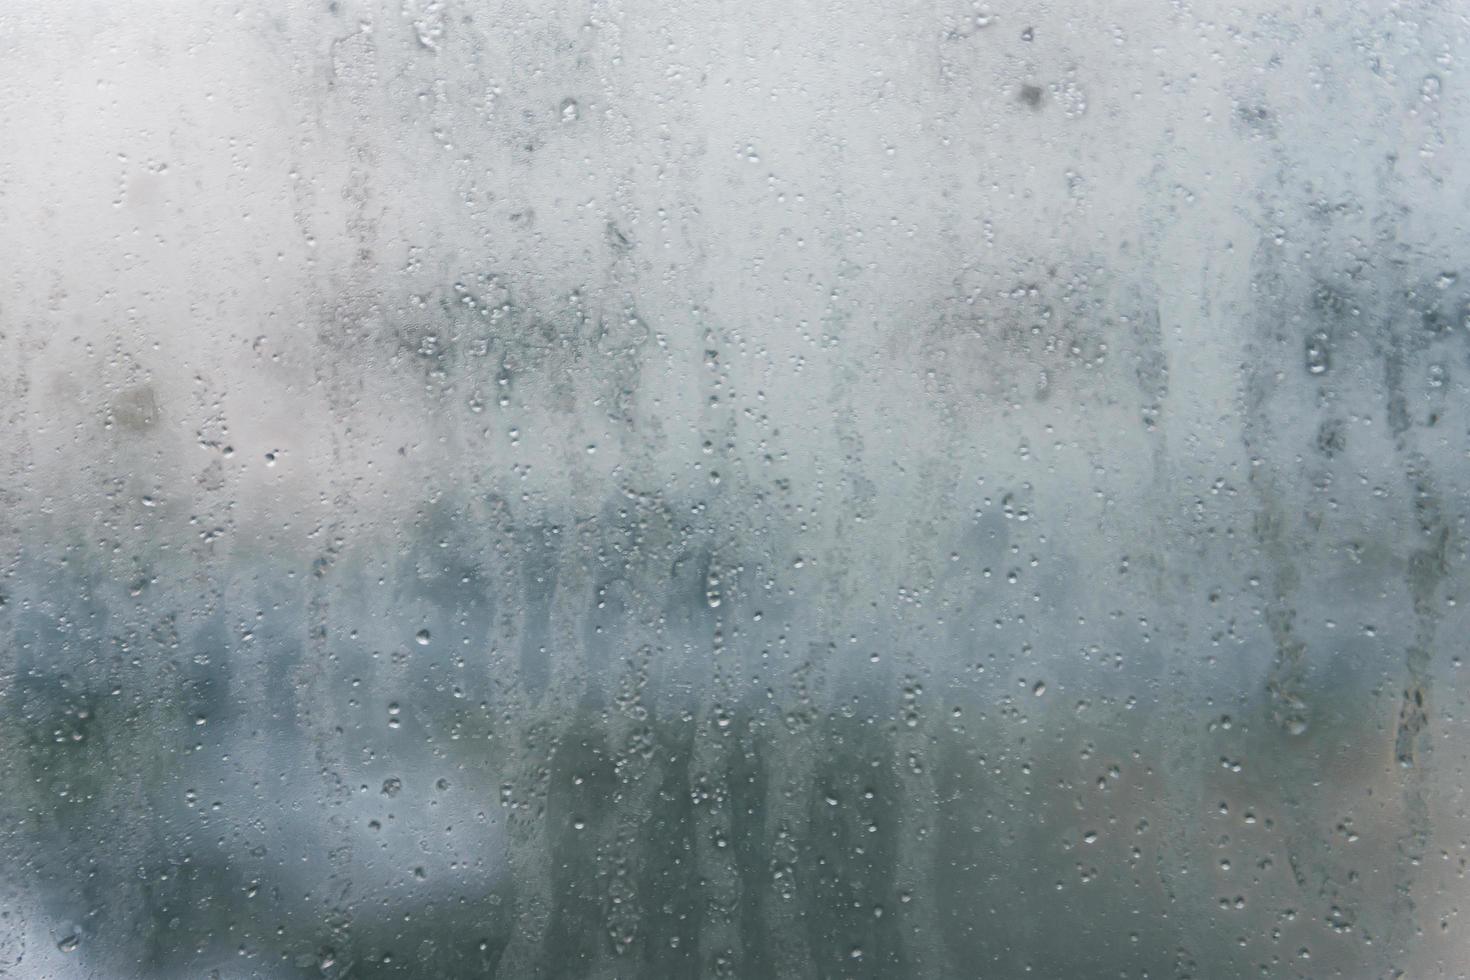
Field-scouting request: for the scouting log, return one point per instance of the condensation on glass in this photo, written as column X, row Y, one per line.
column 624, row 489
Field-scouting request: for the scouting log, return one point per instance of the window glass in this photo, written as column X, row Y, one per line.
column 615, row 488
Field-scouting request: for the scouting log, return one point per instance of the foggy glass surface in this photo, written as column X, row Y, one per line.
column 625, row 489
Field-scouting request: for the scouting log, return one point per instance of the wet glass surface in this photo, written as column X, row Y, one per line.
column 640, row 490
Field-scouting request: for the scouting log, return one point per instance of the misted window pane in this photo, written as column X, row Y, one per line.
column 628, row 489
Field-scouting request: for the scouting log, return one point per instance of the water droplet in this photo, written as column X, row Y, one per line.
column 422, row 636
column 69, row 943
column 570, row 111
column 1318, row 359
column 1039, row 689
column 428, row 20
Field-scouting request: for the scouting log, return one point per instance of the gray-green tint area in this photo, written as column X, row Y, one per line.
column 624, row 489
